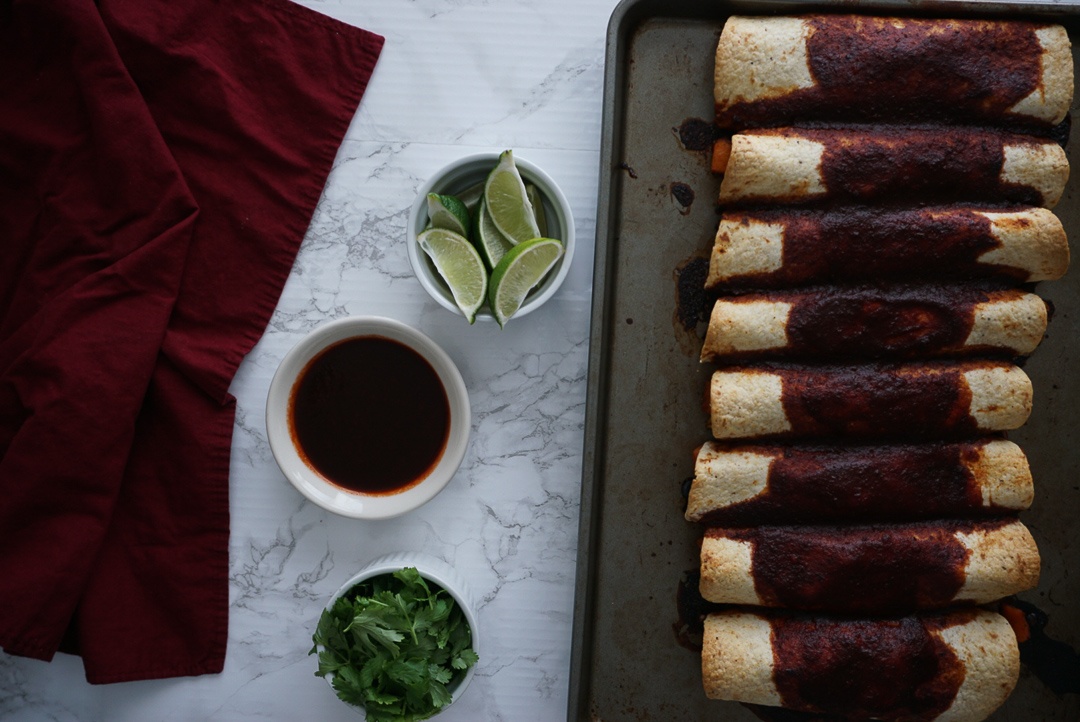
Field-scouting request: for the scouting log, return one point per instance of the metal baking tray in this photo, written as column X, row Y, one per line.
column 657, row 213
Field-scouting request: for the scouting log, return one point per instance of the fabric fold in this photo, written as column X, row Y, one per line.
column 159, row 167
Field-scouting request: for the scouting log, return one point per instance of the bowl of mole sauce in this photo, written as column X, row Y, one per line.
column 367, row 417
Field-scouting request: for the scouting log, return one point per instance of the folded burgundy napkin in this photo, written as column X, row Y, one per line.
column 159, row 165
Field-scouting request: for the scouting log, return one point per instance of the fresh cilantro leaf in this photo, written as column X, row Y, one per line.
column 393, row 644
column 440, row 696
column 464, row 659
column 371, row 627
column 439, row 673
column 346, row 683
column 406, row 672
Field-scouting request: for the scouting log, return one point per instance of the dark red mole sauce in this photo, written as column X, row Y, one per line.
column 877, row 322
column 970, row 74
column 865, row 245
column 883, row 569
column 895, row 669
column 906, row 482
column 914, row 401
column 888, row 164
column 901, row 322
column 370, row 415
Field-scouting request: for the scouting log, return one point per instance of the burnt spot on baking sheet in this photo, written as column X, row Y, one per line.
column 692, row 609
column 1053, row 662
column 695, row 134
column 1051, row 311
column 629, row 170
column 779, row 714
column 1060, row 133
column 683, row 195
column 692, row 303
column 684, row 489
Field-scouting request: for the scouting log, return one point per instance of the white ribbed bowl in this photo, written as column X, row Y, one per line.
column 432, row 569
column 459, row 176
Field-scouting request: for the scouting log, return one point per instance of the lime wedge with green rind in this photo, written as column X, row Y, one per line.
column 522, row 268
column 449, row 213
column 460, row 265
column 492, row 244
column 508, row 201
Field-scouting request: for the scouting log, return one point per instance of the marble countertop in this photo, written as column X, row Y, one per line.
column 456, row 77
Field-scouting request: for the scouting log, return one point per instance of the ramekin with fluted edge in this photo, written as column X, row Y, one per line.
column 310, row 482
column 432, row 569
column 466, row 173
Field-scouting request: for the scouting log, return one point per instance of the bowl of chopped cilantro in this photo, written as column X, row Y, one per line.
column 398, row 640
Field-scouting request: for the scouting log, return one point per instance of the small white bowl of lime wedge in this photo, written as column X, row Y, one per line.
column 464, row 179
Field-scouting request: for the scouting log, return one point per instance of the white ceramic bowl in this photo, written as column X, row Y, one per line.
column 460, row 176
column 312, row 484
column 434, row 570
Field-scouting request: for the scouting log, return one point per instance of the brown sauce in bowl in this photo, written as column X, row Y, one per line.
column 370, row 415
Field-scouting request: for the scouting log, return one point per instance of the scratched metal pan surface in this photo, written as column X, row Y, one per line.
column 657, row 213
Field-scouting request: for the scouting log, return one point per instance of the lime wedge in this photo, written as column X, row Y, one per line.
column 519, row 271
column 460, row 265
column 472, row 195
column 508, row 202
column 537, row 201
column 449, row 213
column 489, row 241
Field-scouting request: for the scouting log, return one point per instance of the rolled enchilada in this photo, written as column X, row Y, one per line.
column 888, row 164
column 912, row 401
column 742, row 485
column 786, row 247
column 883, row 569
column 955, row 667
column 875, row 322
column 851, row 67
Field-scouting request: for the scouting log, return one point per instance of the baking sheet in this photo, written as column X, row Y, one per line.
column 644, row 413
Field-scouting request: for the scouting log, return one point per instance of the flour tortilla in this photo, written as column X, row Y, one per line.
column 785, row 165
column 748, row 403
column 756, row 325
column 726, row 476
column 741, row 78
column 1003, row 560
column 754, row 248
column 737, row 661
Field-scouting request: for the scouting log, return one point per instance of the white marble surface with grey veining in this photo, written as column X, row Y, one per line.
column 456, row 77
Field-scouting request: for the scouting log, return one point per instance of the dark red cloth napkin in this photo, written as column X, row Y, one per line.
column 159, row 164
